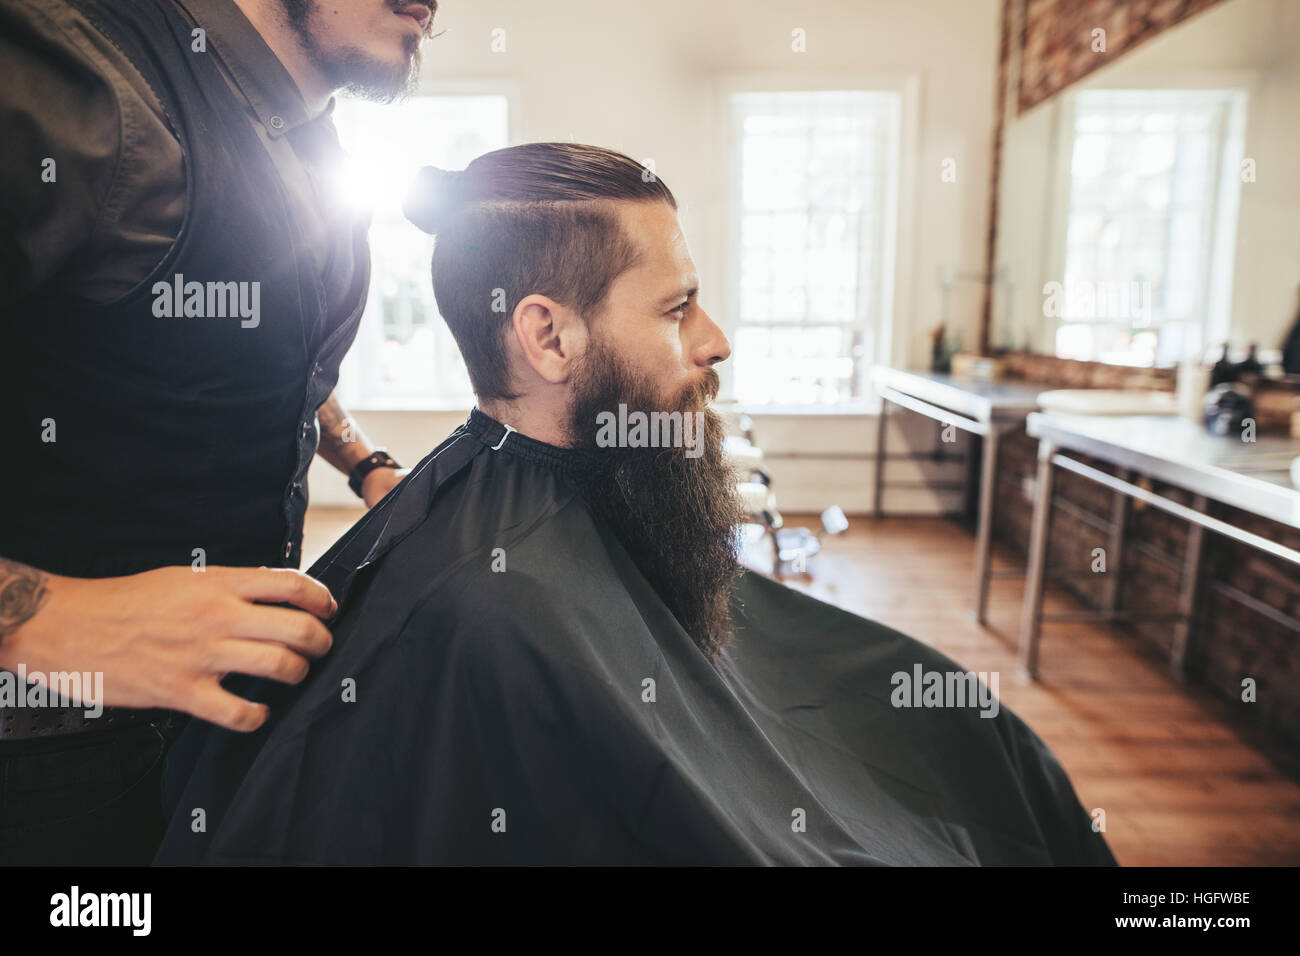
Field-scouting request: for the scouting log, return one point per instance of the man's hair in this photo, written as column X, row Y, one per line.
column 532, row 219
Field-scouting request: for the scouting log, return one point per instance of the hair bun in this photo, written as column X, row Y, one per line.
column 431, row 197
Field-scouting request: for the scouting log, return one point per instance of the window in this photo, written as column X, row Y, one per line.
column 1151, row 224
column 817, row 171
column 404, row 355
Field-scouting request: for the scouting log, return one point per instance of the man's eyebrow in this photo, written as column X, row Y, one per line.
column 678, row 296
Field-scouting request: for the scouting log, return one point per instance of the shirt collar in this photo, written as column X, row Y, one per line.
column 258, row 73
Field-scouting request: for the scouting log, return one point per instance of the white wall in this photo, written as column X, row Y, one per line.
column 643, row 78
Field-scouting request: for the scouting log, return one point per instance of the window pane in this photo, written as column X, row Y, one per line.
column 813, row 169
column 404, row 355
column 1144, row 187
column 809, row 365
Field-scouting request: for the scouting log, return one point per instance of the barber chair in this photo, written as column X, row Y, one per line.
column 790, row 547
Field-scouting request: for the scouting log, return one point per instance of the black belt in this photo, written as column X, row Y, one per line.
column 31, row 723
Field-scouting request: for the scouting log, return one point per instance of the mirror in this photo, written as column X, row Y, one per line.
column 1150, row 212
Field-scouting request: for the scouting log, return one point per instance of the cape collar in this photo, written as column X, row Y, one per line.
column 504, row 439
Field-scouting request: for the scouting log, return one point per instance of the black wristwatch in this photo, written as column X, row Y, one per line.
column 376, row 459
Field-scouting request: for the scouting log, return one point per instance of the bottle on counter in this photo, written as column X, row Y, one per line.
column 1224, row 370
column 1250, row 365
column 1192, row 384
column 1291, row 348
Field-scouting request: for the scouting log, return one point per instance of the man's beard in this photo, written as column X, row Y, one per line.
column 353, row 70
column 676, row 515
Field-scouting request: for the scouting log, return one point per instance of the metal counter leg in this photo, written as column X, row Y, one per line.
column 1181, row 650
column 1032, row 611
column 1120, row 509
column 878, row 491
column 984, row 525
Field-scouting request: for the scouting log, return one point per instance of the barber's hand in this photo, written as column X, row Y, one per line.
column 379, row 483
column 165, row 638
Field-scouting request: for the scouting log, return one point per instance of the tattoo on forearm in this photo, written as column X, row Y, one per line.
column 341, row 441
column 333, row 423
column 22, row 591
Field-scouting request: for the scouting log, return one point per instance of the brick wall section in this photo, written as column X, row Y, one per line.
column 1242, row 642
column 1232, row 640
column 1275, row 399
column 1052, row 372
column 1057, row 39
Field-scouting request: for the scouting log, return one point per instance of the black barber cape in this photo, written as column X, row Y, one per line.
column 506, row 688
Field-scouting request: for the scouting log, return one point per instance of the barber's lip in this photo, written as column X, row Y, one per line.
column 417, row 12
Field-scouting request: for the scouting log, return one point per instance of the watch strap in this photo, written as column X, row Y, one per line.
column 376, row 459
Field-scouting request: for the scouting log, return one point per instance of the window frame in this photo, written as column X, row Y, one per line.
column 1240, row 89
column 897, row 229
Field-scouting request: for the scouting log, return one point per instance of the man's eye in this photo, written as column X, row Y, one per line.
column 679, row 310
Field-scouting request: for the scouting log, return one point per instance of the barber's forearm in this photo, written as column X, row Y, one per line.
column 342, row 442
column 22, row 592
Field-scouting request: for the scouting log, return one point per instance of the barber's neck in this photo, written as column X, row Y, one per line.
column 541, row 418
column 269, row 19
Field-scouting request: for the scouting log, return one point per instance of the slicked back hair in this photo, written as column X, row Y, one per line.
column 533, row 219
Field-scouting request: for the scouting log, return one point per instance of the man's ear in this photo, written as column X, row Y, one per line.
column 550, row 336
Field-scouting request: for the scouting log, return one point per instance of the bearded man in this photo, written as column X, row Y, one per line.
column 546, row 651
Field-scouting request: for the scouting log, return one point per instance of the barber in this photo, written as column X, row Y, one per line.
column 178, row 286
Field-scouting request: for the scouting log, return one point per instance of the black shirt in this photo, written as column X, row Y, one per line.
column 118, row 199
column 151, row 426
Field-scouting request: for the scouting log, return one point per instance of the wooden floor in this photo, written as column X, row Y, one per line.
column 1178, row 785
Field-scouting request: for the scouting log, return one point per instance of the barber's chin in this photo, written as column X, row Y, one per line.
column 397, row 52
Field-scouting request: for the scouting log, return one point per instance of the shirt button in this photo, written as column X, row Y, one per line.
column 288, row 549
column 277, row 122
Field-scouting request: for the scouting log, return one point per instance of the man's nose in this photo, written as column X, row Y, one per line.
column 713, row 346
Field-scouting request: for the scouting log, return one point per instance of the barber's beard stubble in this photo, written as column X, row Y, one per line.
column 675, row 509
column 352, row 69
